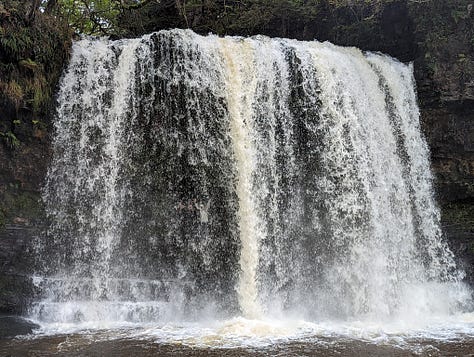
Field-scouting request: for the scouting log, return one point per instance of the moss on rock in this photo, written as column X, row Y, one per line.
column 460, row 214
column 32, row 57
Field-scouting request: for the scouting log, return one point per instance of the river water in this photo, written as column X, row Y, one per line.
column 240, row 337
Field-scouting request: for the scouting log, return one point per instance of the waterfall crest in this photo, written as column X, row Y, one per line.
column 201, row 175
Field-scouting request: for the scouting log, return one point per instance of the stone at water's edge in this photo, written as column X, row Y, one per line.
column 11, row 326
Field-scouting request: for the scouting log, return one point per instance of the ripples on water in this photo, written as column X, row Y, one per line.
column 242, row 337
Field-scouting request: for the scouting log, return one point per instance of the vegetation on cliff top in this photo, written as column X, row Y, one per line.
column 33, row 51
column 32, row 55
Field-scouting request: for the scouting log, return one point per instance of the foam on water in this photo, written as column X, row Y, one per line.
column 240, row 332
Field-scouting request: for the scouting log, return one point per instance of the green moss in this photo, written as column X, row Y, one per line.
column 10, row 139
column 24, row 204
column 459, row 214
column 33, row 56
column 28, row 63
column 18, row 204
column 2, row 219
column 444, row 31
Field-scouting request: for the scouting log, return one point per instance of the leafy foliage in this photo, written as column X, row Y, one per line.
column 247, row 17
column 32, row 54
column 91, row 17
column 10, row 139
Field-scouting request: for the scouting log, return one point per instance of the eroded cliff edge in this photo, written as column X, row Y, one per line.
column 438, row 36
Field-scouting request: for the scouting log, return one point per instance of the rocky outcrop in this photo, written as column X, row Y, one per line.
column 444, row 69
column 11, row 326
column 16, row 288
column 32, row 55
column 450, row 134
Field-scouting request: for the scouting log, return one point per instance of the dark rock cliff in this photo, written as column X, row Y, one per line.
column 437, row 35
column 32, row 56
column 444, row 70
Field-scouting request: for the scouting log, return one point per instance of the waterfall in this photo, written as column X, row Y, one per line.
column 202, row 176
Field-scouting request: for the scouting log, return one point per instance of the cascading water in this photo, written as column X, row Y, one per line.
column 203, row 176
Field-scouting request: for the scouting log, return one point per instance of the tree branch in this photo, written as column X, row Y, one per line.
column 137, row 5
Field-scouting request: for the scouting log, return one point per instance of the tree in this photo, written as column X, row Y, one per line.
column 90, row 17
column 35, row 4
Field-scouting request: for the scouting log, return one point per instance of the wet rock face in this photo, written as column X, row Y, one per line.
column 15, row 267
column 22, row 171
column 449, row 130
column 11, row 326
column 398, row 27
column 450, row 134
